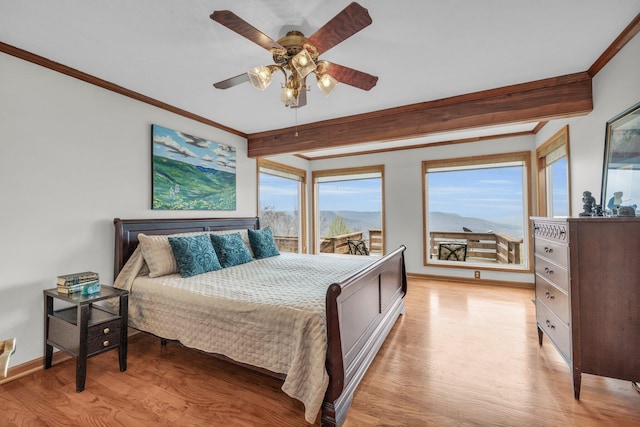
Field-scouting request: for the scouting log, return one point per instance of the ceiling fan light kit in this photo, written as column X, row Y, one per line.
column 289, row 96
column 303, row 63
column 326, row 83
column 297, row 56
column 260, row 77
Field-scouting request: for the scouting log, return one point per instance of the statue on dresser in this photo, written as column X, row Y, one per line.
column 588, row 204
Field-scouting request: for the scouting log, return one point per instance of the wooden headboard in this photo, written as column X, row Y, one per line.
column 127, row 231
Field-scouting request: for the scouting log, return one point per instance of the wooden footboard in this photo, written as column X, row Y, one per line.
column 361, row 311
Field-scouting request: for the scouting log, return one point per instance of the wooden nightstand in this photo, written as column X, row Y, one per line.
column 83, row 330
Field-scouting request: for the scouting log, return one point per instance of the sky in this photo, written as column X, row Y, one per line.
column 494, row 194
column 363, row 195
column 279, row 193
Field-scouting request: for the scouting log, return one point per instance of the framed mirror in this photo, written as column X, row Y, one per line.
column 621, row 170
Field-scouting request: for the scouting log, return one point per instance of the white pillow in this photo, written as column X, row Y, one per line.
column 158, row 255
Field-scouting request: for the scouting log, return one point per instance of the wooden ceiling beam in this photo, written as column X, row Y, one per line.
column 562, row 96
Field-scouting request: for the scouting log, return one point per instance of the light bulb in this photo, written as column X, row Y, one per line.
column 260, row 77
column 303, row 63
column 326, row 83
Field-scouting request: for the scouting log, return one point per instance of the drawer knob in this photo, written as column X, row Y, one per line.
column 105, row 331
column 549, row 295
column 105, row 343
column 550, row 325
column 548, row 270
column 548, row 250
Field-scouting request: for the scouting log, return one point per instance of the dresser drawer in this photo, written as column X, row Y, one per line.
column 104, row 336
column 552, row 273
column 555, row 251
column 555, row 329
column 551, row 230
column 555, row 300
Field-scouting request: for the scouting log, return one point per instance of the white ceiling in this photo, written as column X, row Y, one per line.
column 421, row 50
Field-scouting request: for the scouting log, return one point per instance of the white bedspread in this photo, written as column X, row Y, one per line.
column 268, row 313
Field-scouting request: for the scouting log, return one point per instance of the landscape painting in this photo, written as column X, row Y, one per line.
column 192, row 173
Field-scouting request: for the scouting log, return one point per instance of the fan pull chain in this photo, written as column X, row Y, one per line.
column 296, row 134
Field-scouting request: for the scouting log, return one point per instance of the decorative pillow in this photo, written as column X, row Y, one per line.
column 194, row 255
column 262, row 243
column 158, row 254
column 243, row 234
column 231, row 249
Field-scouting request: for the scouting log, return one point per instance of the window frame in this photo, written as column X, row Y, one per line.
column 522, row 156
column 276, row 167
column 559, row 139
column 316, row 175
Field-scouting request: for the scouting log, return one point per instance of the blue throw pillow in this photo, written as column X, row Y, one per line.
column 262, row 243
column 194, row 255
column 230, row 249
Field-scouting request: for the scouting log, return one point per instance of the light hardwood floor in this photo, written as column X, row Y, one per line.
column 462, row 355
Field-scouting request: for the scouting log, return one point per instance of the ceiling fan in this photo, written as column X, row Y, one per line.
column 296, row 56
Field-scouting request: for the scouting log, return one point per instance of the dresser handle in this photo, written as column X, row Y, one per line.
column 548, row 250
column 105, row 331
column 549, row 325
column 549, row 296
column 548, row 271
column 106, row 343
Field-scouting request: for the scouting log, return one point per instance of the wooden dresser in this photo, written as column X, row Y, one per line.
column 588, row 293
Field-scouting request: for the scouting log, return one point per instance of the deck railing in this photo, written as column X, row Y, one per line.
column 375, row 241
column 286, row 243
column 336, row 244
column 487, row 247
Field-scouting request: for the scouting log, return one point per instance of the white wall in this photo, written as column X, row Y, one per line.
column 73, row 157
column 615, row 88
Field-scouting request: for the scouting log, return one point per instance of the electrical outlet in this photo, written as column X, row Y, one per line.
column 476, row 274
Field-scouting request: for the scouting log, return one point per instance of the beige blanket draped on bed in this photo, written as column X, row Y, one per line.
column 268, row 313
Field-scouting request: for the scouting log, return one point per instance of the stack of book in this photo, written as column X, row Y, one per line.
column 87, row 282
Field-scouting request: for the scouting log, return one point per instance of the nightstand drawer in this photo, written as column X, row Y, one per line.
column 104, row 336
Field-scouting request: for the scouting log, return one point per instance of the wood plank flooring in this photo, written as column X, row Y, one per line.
column 462, row 355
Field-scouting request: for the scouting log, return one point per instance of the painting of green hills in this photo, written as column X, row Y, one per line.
column 192, row 173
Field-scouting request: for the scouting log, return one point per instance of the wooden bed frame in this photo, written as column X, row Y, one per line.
column 361, row 310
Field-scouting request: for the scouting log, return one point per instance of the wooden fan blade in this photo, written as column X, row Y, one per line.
column 352, row 19
column 233, row 81
column 246, row 30
column 350, row 76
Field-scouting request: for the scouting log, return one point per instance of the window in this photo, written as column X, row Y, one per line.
column 281, row 195
column 476, row 212
column 553, row 175
column 348, row 214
